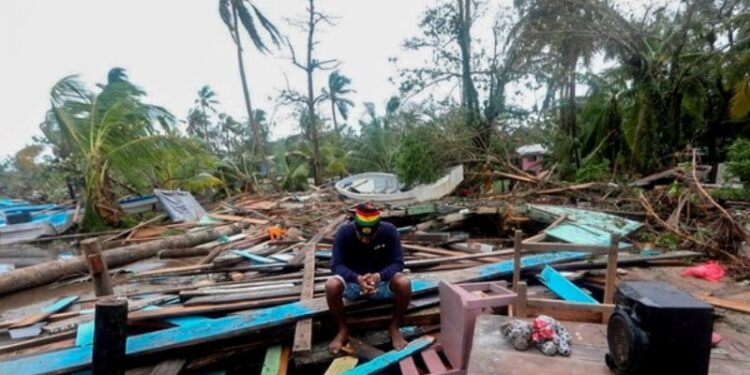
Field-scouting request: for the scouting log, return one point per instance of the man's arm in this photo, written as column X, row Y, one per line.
column 396, row 263
column 337, row 259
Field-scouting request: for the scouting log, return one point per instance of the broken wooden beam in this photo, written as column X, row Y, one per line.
column 49, row 272
column 97, row 267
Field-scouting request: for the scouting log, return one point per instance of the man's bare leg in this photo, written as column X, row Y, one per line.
column 334, row 294
column 401, row 288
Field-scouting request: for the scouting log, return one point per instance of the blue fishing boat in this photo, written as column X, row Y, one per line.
column 40, row 224
column 8, row 203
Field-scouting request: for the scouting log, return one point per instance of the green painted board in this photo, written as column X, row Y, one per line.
column 341, row 364
column 273, row 361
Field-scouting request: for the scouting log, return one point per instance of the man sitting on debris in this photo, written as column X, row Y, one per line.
column 367, row 263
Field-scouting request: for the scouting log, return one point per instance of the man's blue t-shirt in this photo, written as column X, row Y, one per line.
column 383, row 254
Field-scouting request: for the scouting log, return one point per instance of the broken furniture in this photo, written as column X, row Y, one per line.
column 520, row 246
column 460, row 304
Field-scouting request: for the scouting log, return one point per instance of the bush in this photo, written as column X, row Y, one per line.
column 594, row 171
column 739, row 160
column 418, row 159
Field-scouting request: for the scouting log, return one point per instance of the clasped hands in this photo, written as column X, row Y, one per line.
column 368, row 283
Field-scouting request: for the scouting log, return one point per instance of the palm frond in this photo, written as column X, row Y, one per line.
column 273, row 32
column 249, row 24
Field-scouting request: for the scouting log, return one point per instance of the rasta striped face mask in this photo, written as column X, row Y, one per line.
column 366, row 219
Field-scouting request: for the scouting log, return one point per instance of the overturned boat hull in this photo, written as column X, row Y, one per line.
column 384, row 188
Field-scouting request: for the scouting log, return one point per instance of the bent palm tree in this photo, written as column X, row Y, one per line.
column 111, row 134
column 338, row 87
column 238, row 14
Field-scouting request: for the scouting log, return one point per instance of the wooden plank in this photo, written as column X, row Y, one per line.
column 609, row 285
column 303, row 332
column 362, row 349
column 726, row 304
column 169, row 367
column 517, row 248
column 46, row 312
column 394, row 356
column 341, row 364
column 241, row 219
column 558, row 246
column 408, row 367
column 72, row 359
column 521, row 301
column 253, row 257
column 272, row 361
column 433, row 362
column 563, row 288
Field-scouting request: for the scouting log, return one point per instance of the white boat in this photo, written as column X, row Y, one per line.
column 40, row 225
column 137, row 205
column 385, row 187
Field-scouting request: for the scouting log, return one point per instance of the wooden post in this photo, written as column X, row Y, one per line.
column 97, row 267
column 110, row 335
column 521, row 300
column 609, row 285
column 517, row 246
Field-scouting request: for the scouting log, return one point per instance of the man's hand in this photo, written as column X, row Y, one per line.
column 365, row 286
column 373, row 279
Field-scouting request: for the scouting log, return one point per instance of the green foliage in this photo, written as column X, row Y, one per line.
column 114, row 138
column 731, row 194
column 419, row 159
column 739, row 160
column 594, row 172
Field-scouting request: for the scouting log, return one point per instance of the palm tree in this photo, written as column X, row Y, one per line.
column 242, row 14
column 338, row 86
column 111, row 134
column 206, row 101
column 550, row 32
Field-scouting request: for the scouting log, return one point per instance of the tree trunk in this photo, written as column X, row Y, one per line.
column 313, row 130
column 257, row 150
column 49, row 272
column 469, row 96
column 572, row 126
column 333, row 114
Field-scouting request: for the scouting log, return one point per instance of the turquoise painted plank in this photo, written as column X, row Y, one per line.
column 324, row 254
column 73, row 359
column 60, row 304
column 595, row 219
column 563, row 287
column 253, row 257
column 584, row 235
column 384, row 360
column 85, row 334
column 189, row 320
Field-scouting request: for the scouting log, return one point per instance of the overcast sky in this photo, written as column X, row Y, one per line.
column 171, row 48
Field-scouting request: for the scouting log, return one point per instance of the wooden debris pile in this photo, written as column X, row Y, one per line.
column 199, row 293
